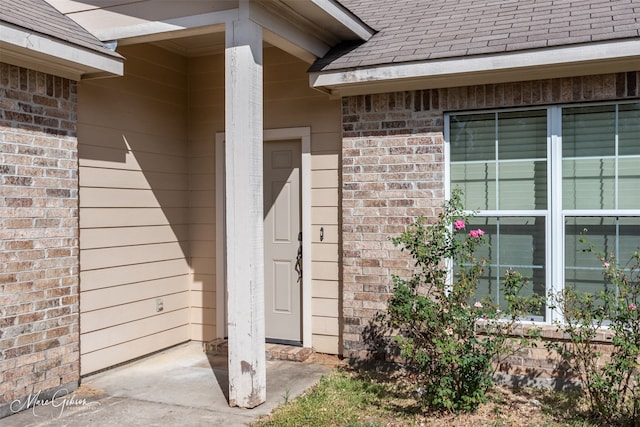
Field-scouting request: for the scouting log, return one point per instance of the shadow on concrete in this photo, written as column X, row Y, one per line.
column 220, row 368
column 180, row 386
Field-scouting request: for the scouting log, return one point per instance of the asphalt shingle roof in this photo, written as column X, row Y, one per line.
column 418, row 30
column 40, row 17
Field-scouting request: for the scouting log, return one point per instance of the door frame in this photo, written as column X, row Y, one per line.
column 302, row 134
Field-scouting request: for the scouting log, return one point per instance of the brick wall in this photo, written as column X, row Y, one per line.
column 39, row 325
column 393, row 171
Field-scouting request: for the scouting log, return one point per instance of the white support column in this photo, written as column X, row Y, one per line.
column 244, row 211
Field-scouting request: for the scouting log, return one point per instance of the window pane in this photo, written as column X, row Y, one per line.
column 629, row 238
column 522, row 242
column 478, row 183
column 523, row 185
column 588, row 184
column 629, row 129
column 610, row 236
column 516, row 243
column 584, row 269
column 522, row 135
column 490, row 227
column 473, row 137
column 629, row 183
column 489, row 282
column 500, row 162
column 588, row 131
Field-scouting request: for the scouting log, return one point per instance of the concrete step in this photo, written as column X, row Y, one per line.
column 272, row 351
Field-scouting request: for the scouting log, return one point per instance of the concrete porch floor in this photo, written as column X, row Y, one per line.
column 181, row 386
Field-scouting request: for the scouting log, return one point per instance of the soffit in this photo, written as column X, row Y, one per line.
column 197, row 45
column 305, row 28
column 102, row 17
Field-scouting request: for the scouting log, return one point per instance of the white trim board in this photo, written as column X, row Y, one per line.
column 303, row 134
column 341, row 14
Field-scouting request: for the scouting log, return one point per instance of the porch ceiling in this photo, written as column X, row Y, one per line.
column 198, row 45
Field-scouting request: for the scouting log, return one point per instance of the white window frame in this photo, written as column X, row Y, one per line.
column 556, row 215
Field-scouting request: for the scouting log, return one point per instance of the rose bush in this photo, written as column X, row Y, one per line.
column 452, row 340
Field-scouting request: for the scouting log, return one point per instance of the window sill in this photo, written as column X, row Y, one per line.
column 551, row 332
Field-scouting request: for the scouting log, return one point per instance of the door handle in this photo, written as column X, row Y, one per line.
column 299, row 259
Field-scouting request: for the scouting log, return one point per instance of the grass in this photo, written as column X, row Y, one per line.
column 339, row 399
column 347, row 398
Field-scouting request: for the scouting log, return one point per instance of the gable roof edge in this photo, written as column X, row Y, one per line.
column 348, row 19
column 565, row 61
column 26, row 48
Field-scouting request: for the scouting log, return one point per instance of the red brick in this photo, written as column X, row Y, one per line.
column 378, row 204
column 58, row 332
column 30, row 338
column 17, row 351
column 18, row 309
column 30, row 317
column 18, row 372
column 39, row 251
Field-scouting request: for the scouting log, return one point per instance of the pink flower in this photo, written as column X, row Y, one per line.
column 606, row 265
column 632, row 307
column 477, row 304
column 459, row 224
column 476, row 233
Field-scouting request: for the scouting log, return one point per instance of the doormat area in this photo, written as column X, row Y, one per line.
column 272, row 351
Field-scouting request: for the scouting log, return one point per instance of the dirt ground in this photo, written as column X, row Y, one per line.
column 506, row 407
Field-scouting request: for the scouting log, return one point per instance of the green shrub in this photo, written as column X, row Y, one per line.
column 451, row 339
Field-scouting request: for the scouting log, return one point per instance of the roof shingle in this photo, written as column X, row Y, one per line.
column 40, row 17
column 419, row 30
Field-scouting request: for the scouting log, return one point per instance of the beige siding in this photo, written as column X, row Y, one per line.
column 134, row 210
column 94, row 238
column 289, row 102
column 115, row 276
column 147, row 198
column 130, row 350
column 325, row 289
column 206, row 117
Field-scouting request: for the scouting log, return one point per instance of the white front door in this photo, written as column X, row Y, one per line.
column 282, row 241
column 287, row 298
